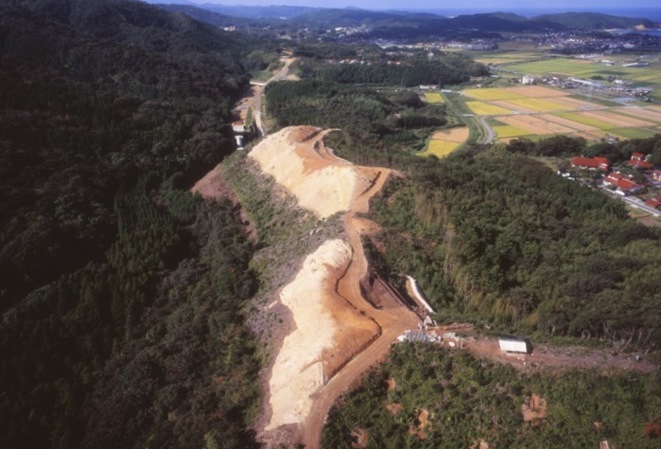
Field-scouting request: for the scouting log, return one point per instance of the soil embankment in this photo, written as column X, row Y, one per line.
column 338, row 334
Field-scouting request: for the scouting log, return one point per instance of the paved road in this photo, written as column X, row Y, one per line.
column 635, row 202
column 487, row 134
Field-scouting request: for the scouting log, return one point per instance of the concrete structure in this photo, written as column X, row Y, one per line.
column 418, row 294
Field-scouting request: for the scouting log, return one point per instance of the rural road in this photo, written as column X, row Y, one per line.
column 392, row 321
column 487, row 134
column 259, row 92
column 634, row 202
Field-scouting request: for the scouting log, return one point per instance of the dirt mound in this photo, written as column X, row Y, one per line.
column 311, row 353
column 535, row 409
column 296, row 158
column 421, row 424
column 338, row 334
column 359, row 438
column 212, row 186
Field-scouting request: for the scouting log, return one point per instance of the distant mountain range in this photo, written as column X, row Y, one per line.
column 408, row 24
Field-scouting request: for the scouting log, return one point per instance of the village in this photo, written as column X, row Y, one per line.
column 637, row 181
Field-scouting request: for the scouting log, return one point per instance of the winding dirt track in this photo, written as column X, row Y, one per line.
column 392, row 322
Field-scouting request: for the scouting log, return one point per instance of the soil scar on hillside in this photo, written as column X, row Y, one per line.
column 350, row 334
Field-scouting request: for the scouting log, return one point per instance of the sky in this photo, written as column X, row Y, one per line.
column 490, row 5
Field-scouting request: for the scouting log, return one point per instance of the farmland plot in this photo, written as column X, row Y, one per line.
column 541, row 111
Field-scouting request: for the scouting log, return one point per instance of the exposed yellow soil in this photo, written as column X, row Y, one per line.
column 535, row 409
column 338, row 334
column 319, row 183
column 360, row 438
column 300, row 368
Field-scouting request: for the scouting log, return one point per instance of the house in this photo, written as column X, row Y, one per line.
column 656, row 175
column 654, row 203
column 590, row 163
column 638, row 161
column 623, row 184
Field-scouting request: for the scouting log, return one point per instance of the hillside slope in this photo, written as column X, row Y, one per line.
column 116, row 309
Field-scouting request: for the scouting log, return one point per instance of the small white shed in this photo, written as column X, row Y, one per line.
column 509, row 344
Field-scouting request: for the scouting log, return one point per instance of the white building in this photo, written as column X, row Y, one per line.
column 510, row 344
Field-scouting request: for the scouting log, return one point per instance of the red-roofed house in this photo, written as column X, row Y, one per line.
column 590, row 163
column 654, row 203
column 623, row 184
column 638, row 161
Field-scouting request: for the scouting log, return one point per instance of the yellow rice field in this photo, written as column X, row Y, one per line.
column 458, row 135
column 492, row 94
column 482, row 108
column 507, row 131
column 440, row 148
column 540, row 104
column 543, row 111
column 434, row 97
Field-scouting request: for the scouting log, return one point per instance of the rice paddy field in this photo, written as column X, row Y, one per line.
column 440, row 148
column 534, row 111
column 445, row 142
column 434, row 97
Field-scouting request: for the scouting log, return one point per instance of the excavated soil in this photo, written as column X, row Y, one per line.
column 337, row 333
column 295, row 159
column 313, row 351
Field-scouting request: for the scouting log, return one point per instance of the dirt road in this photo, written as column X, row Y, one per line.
column 392, row 322
column 259, row 90
column 326, row 185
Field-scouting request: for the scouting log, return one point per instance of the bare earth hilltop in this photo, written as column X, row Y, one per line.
column 338, row 334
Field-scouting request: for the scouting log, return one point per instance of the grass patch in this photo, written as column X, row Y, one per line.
column 633, row 133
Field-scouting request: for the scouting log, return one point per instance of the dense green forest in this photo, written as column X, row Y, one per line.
column 499, row 236
column 465, row 401
column 121, row 292
column 92, row 97
column 385, row 122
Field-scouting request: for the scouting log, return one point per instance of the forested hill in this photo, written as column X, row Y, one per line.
column 93, row 93
column 120, row 291
column 596, row 21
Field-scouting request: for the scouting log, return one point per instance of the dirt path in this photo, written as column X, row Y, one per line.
column 392, row 322
column 258, row 91
column 546, row 358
